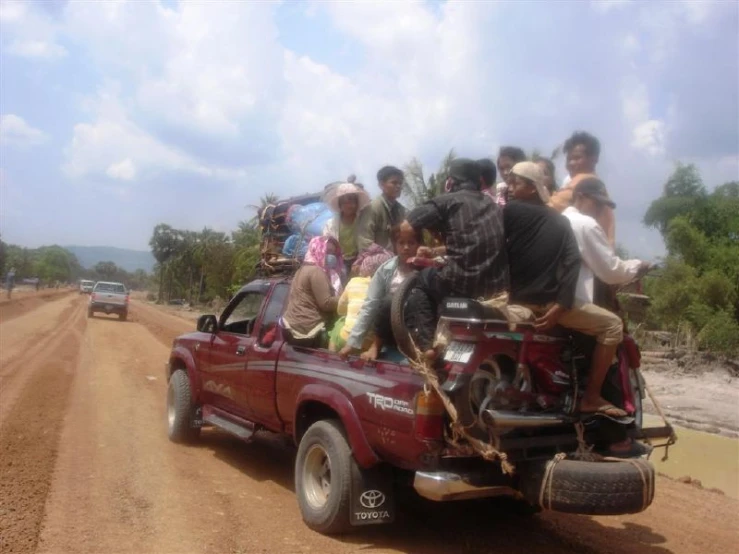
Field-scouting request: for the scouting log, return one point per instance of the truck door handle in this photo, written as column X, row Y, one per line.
column 240, row 350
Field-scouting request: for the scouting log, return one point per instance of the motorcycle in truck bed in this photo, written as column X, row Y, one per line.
column 363, row 428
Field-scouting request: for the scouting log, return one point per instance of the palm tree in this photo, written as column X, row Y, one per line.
column 164, row 244
column 264, row 201
column 417, row 188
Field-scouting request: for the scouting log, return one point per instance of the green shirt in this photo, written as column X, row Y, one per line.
column 377, row 220
column 348, row 239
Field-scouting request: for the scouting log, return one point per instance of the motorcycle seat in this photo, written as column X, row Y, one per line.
column 467, row 308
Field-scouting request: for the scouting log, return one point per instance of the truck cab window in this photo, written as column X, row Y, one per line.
column 274, row 309
column 244, row 314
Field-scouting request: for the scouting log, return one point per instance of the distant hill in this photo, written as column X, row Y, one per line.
column 130, row 260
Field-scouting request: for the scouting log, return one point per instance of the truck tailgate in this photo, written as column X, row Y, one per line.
column 112, row 298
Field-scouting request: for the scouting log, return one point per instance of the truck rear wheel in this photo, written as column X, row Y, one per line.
column 123, row 316
column 180, row 409
column 323, row 476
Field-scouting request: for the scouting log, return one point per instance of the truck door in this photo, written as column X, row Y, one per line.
column 229, row 349
column 261, row 365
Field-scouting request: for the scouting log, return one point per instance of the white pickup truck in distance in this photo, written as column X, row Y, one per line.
column 109, row 298
column 86, row 286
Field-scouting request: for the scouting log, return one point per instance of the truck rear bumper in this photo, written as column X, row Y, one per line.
column 448, row 485
column 108, row 308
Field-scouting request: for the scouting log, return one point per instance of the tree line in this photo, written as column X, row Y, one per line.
column 54, row 264
column 698, row 289
column 199, row 266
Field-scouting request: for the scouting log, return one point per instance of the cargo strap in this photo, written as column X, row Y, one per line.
column 546, row 482
column 673, row 438
column 487, row 451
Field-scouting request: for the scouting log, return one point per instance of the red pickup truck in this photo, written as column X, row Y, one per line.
column 362, row 428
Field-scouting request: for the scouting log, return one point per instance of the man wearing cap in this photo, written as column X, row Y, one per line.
column 471, row 225
column 542, row 252
column 599, row 260
column 546, row 269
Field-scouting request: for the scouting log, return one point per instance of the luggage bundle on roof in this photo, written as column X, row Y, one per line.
column 286, row 229
column 288, row 225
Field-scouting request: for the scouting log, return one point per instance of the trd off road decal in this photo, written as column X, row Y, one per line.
column 380, row 402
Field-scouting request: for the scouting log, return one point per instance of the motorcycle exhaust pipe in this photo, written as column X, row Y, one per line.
column 499, row 419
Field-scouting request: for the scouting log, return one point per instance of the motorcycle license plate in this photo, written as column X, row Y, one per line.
column 459, row 352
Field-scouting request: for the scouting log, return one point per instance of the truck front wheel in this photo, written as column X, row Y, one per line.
column 180, row 409
column 323, row 474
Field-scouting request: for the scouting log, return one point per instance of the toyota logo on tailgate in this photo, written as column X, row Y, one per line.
column 372, row 499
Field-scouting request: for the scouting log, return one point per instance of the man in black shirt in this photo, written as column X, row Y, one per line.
column 472, row 227
column 542, row 250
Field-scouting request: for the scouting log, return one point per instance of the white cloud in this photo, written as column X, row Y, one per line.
column 606, row 6
column 37, row 49
column 99, row 147
column 649, row 136
column 12, row 11
column 125, row 170
column 631, row 44
column 14, row 131
column 29, row 32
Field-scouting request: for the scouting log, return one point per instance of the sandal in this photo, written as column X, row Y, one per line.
column 608, row 410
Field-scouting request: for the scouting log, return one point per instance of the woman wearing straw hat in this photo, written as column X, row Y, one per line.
column 346, row 201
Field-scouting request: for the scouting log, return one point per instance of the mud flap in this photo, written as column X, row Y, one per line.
column 372, row 496
column 197, row 420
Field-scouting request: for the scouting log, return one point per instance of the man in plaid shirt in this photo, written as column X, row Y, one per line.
column 476, row 263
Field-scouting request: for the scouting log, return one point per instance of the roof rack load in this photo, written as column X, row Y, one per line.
column 286, row 228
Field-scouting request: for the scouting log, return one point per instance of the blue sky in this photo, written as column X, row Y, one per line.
column 119, row 115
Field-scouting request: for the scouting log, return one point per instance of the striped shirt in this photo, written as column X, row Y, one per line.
column 472, row 225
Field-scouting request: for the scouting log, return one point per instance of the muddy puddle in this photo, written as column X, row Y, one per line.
column 711, row 459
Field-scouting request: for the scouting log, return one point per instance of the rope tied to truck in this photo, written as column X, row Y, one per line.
column 459, row 431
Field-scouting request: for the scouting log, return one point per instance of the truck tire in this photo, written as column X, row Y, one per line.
column 90, row 313
column 180, row 409
column 593, row 488
column 123, row 316
column 323, row 478
column 401, row 332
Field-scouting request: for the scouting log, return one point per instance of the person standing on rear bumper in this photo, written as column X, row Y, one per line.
column 598, row 260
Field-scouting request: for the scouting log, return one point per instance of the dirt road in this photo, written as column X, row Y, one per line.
column 86, row 467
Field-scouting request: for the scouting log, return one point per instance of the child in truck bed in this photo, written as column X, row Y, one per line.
column 375, row 312
column 355, row 294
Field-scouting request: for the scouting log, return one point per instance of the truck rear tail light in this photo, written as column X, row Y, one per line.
column 429, row 416
column 127, row 298
column 92, row 296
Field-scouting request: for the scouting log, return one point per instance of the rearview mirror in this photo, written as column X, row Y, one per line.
column 207, row 324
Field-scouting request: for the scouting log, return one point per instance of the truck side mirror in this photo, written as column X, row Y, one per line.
column 207, row 324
